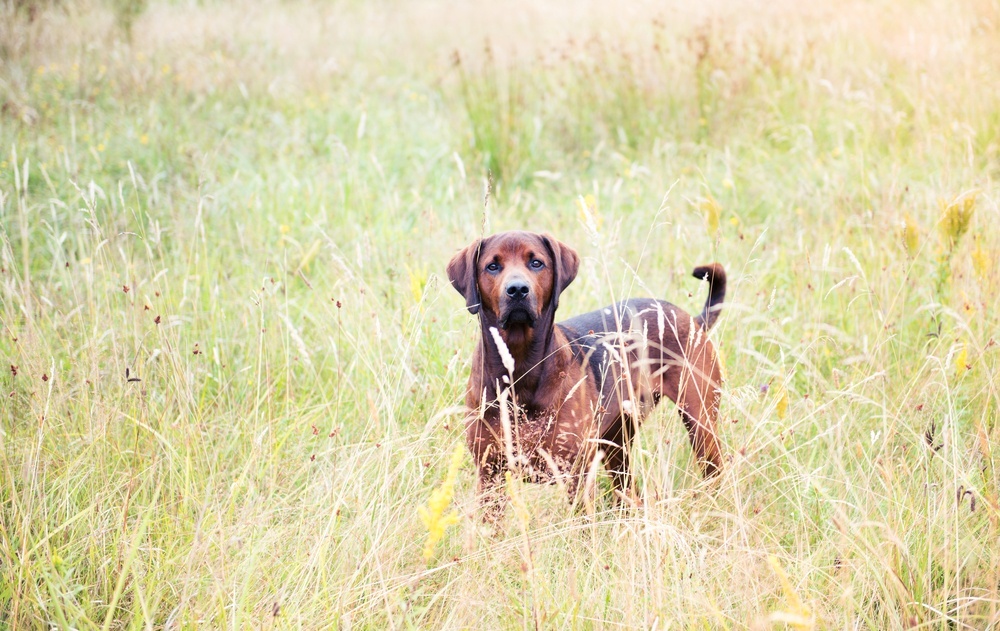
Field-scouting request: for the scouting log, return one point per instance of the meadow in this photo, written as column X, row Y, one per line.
column 232, row 364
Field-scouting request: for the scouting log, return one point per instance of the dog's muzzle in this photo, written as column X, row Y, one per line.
column 518, row 304
column 517, row 315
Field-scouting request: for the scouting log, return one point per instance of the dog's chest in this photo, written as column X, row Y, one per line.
column 544, row 443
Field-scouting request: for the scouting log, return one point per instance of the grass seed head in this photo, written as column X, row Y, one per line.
column 516, row 501
column 797, row 615
column 588, row 214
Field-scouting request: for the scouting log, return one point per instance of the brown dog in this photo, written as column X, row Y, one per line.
column 548, row 399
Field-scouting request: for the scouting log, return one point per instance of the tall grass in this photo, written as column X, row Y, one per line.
column 232, row 368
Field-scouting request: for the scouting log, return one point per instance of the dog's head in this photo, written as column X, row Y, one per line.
column 514, row 277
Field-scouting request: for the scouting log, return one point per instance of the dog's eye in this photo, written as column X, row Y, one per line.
column 493, row 267
column 536, row 264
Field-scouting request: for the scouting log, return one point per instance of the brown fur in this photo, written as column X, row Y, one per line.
column 582, row 386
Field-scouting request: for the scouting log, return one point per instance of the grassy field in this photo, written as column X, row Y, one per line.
column 235, row 360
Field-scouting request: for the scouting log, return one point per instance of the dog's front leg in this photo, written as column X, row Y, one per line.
column 492, row 497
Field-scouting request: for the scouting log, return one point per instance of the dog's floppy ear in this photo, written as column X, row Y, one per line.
column 566, row 263
column 462, row 272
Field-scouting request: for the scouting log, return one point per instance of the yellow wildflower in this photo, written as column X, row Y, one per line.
column 980, row 260
column 712, row 211
column 433, row 515
column 781, row 407
column 961, row 360
column 956, row 216
column 418, row 280
column 911, row 235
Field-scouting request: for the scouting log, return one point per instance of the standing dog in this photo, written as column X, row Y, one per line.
column 547, row 399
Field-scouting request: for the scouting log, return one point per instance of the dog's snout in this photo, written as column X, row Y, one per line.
column 517, row 289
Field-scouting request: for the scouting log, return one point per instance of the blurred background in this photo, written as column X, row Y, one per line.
column 236, row 365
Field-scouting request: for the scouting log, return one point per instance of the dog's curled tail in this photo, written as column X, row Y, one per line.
column 716, row 277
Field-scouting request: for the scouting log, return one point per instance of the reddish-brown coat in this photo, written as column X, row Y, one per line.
column 566, row 406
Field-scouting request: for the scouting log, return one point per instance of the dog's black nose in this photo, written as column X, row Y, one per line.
column 517, row 289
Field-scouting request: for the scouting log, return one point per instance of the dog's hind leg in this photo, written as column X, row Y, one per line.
column 698, row 405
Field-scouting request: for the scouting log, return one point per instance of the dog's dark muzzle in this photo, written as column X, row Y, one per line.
column 518, row 304
column 518, row 315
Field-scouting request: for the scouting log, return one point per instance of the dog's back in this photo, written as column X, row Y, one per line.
column 662, row 345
